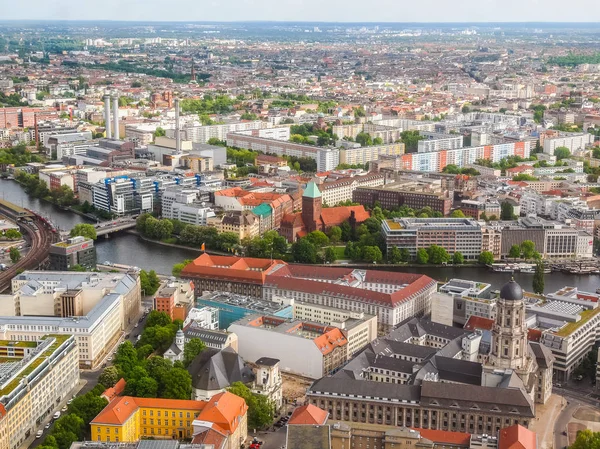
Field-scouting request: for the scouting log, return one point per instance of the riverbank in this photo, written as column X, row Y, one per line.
column 175, row 245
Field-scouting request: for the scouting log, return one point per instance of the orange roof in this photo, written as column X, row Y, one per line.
column 209, row 437
column 113, row 392
column 478, row 322
column 308, row 415
column 334, row 216
column 122, row 408
column 330, row 340
column 534, row 335
column 225, row 410
column 446, row 437
column 517, row 437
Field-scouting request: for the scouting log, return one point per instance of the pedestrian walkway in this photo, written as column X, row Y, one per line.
column 545, row 418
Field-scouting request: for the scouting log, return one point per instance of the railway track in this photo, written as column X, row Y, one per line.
column 41, row 239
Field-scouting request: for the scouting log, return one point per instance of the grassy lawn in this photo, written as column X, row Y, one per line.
column 339, row 252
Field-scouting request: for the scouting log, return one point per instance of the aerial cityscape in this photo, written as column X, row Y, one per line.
column 378, row 229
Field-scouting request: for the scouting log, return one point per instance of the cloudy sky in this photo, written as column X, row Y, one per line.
column 307, row 10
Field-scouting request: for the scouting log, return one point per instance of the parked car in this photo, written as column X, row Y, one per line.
column 64, row 409
column 47, row 426
column 39, row 434
column 56, row 416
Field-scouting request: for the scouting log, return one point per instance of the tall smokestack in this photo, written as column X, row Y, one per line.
column 177, row 134
column 107, row 117
column 116, row 117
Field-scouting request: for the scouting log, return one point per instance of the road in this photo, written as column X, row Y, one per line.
column 40, row 241
column 577, row 395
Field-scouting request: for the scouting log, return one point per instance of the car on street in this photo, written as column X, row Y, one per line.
column 39, row 434
column 47, row 426
column 64, row 409
column 109, row 359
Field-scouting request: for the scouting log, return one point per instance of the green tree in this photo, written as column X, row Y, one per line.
column 146, row 387
column 15, row 254
column 528, row 249
column 64, row 439
column 422, row 256
column 12, row 234
column 335, row 234
column 438, row 254
column 84, row 230
column 586, row 439
column 140, row 222
column 87, row 406
column 457, row 214
column 372, row 254
column 126, row 359
column 404, row 255
column 318, row 239
column 260, row 409
column 562, row 153
column 156, row 318
column 364, row 139
column 179, row 385
column 304, row 252
column 330, row 255
column 353, row 251
column 486, row 258
column 69, row 423
column 538, row 278
column 149, row 282
column 507, row 211
column 458, row 258
column 191, row 350
column 109, row 376
column 394, row 255
column 514, row 252
column 178, row 267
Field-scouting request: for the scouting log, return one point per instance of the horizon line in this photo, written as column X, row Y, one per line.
column 300, row 21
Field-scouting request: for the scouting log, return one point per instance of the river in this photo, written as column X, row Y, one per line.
column 129, row 249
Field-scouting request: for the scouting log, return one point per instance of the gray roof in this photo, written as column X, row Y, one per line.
column 455, row 370
column 215, row 370
column 207, row 335
column 366, row 388
column 158, row 444
column 543, row 354
column 381, row 346
column 511, row 291
column 308, row 437
column 267, row 361
column 415, row 327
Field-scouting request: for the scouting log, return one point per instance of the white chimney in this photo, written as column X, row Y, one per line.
column 177, row 135
column 107, row 116
column 116, row 117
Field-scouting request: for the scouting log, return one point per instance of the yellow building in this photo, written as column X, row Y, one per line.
column 128, row 419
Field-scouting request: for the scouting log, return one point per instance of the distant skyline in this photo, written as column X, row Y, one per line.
column 306, row 10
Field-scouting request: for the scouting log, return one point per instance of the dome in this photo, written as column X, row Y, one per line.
column 511, row 291
column 179, row 333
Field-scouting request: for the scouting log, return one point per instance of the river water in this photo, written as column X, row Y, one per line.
column 129, row 249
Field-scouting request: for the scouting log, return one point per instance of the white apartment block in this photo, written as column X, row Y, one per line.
column 340, row 190
column 573, row 141
column 439, row 141
column 28, row 395
column 362, row 155
column 202, row 134
column 183, row 205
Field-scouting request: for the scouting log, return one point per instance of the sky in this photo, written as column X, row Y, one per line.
column 306, row 10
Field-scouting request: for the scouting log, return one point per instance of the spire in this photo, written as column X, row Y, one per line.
column 312, row 191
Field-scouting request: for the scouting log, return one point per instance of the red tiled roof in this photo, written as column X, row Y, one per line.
column 113, row 392
column 445, row 437
column 335, row 216
column 308, row 415
column 478, row 322
column 330, row 340
column 534, row 335
column 209, row 437
column 517, row 437
column 225, row 410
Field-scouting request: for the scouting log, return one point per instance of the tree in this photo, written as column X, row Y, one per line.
column 486, row 258
column 12, row 234
column 364, row 139
column 140, row 222
column 528, row 249
column 109, row 376
column 191, row 350
column 260, row 409
column 438, row 254
column 15, row 254
column 586, row 439
column 346, row 231
column 304, row 252
column 178, row 267
column 179, row 385
column 156, row 318
column 84, row 230
column 538, row 278
column 126, row 358
column 458, row 258
column 149, row 282
column 335, row 234
column 318, row 239
column 87, row 406
column 352, row 251
column 330, row 255
column 561, row 153
column 146, row 387
column 507, row 211
column 422, row 256
column 69, row 423
column 514, row 252
column 372, row 254
column 394, row 255
column 457, row 214
column 404, row 255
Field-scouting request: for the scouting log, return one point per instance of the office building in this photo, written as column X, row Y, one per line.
column 185, row 205
column 65, row 145
column 36, row 376
column 126, row 419
column 94, row 307
column 398, row 194
column 391, row 296
column 340, row 190
column 461, row 235
column 202, row 134
column 363, row 155
column 74, row 251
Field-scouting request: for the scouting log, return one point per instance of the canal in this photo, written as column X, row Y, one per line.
column 129, row 249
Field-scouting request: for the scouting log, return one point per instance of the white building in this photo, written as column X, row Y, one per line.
column 205, row 317
column 183, row 205
column 573, row 141
column 202, row 134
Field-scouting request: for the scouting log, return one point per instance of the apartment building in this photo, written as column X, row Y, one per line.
column 222, row 420
column 34, row 383
column 362, row 155
column 395, row 195
column 359, row 328
column 392, row 297
column 93, row 307
column 55, row 179
column 242, row 223
column 326, row 158
column 462, row 235
column 184, row 205
column 438, row 141
column 573, row 141
column 323, row 348
column 339, row 190
column 202, row 134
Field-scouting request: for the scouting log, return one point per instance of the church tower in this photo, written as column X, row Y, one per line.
column 180, row 340
column 311, row 207
column 509, row 334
